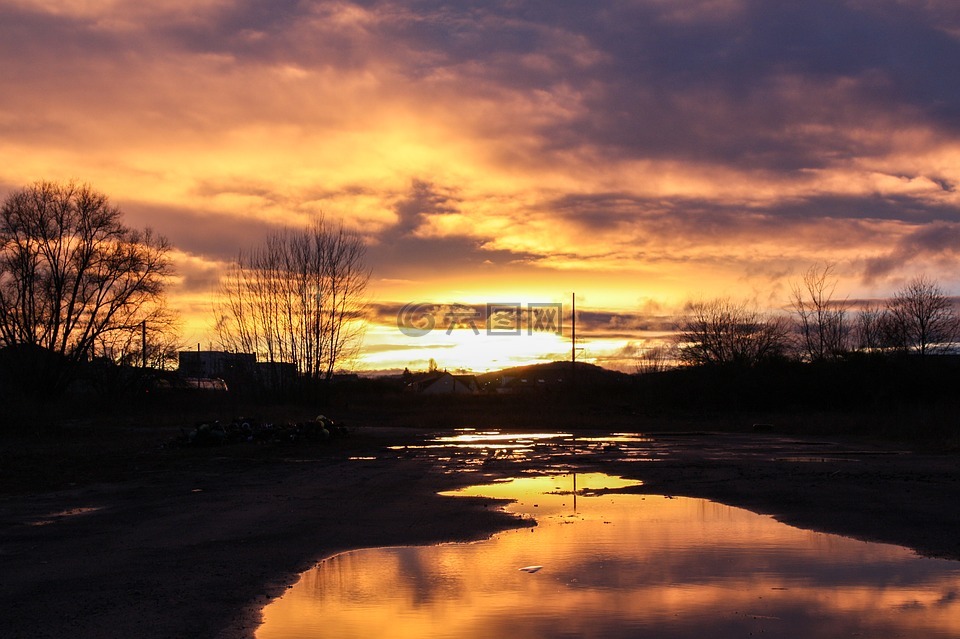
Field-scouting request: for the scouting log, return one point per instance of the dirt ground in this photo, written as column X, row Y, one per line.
column 196, row 548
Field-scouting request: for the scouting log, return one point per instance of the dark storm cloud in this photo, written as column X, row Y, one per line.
column 627, row 325
column 422, row 200
column 216, row 237
column 939, row 242
column 735, row 90
column 877, row 207
column 48, row 35
column 399, row 244
column 765, row 85
column 702, row 218
column 437, row 257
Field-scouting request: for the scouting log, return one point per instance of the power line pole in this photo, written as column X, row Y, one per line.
column 573, row 337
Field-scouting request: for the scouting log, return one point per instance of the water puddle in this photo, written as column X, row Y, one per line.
column 469, row 450
column 601, row 563
column 53, row 518
column 814, row 459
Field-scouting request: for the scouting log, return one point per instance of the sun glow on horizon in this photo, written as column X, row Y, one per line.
column 459, row 349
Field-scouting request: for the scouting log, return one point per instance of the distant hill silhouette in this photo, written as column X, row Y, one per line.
column 557, row 373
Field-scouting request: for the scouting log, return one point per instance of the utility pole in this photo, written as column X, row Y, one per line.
column 573, row 337
column 143, row 341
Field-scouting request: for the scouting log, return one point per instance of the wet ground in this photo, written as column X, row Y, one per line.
column 872, row 491
column 198, row 549
column 470, row 450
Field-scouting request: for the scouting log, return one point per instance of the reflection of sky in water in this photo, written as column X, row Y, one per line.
column 621, row 565
column 468, row 449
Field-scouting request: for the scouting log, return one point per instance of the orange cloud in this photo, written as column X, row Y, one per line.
column 639, row 149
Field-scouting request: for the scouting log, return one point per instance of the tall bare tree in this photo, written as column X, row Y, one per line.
column 722, row 331
column 921, row 317
column 821, row 320
column 71, row 272
column 159, row 333
column 654, row 358
column 870, row 331
column 298, row 298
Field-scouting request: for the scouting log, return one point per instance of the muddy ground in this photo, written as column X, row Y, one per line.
column 195, row 546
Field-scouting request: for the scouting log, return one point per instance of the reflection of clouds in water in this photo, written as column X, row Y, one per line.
column 422, row 584
column 624, row 566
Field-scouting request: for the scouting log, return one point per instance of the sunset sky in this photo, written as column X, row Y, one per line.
column 641, row 153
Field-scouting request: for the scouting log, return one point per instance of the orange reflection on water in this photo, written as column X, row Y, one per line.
column 621, row 565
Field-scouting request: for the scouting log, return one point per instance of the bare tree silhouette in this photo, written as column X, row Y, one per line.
column 298, row 298
column 870, row 332
column 722, row 331
column 654, row 358
column 160, row 334
column 821, row 320
column 921, row 317
column 71, row 273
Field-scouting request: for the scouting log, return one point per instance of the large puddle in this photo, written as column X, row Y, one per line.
column 607, row 564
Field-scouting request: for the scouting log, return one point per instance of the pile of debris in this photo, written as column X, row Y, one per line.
column 254, row 431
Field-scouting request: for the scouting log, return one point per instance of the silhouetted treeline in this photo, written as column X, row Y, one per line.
column 920, row 318
column 860, row 382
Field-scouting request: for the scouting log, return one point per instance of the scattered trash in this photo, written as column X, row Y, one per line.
column 531, row 569
column 255, row 431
